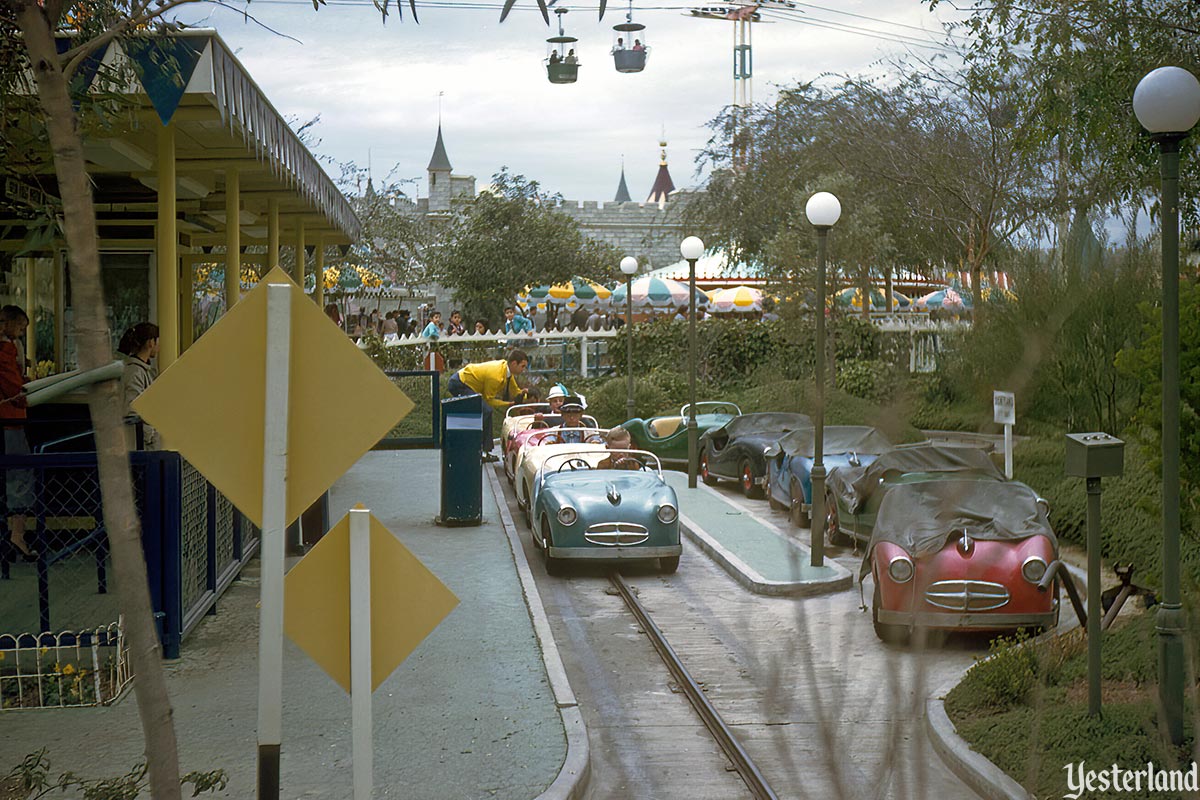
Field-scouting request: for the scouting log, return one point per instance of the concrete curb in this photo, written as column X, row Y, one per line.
column 749, row 577
column 975, row 770
column 572, row 780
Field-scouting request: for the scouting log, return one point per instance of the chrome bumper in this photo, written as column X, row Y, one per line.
column 634, row 552
column 936, row 619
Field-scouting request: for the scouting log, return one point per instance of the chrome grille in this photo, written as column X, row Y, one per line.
column 967, row 595
column 616, row 534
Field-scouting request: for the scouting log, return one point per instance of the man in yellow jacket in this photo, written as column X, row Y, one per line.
column 496, row 382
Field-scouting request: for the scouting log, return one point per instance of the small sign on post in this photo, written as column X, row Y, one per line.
column 1004, row 408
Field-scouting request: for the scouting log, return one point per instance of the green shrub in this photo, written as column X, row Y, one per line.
column 872, row 380
column 607, row 402
column 1007, row 677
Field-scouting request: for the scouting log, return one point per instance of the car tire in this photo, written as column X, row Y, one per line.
column 523, row 502
column 888, row 634
column 705, row 475
column 749, row 488
column 555, row 567
column 834, row 535
column 510, row 469
column 669, row 564
column 799, row 516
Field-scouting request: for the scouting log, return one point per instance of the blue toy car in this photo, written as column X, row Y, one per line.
column 789, row 463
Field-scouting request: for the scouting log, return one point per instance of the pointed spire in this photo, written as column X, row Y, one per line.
column 663, row 185
column 622, row 189
column 439, row 161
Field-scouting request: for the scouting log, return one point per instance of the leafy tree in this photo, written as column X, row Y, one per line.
column 394, row 238
column 510, row 237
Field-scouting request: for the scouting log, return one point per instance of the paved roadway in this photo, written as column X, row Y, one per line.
column 823, row 707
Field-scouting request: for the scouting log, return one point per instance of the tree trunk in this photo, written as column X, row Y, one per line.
column 865, row 286
column 105, row 403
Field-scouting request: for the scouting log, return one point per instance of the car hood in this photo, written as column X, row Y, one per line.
column 920, row 517
column 598, row 494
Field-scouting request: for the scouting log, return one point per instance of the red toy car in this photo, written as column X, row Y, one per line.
column 961, row 555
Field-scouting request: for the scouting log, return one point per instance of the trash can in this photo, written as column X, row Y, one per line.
column 462, row 465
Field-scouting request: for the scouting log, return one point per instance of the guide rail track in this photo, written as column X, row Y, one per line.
column 716, row 725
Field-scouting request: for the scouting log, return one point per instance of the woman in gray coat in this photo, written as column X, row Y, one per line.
column 138, row 346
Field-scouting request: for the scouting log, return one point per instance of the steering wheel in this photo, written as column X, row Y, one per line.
column 574, row 464
column 623, row 460
column 594, row 438
column 538, row 424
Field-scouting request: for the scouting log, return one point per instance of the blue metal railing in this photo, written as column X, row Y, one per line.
column 194, row 541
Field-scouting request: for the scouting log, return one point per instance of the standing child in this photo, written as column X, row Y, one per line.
column 18, row 483
column 138, row 346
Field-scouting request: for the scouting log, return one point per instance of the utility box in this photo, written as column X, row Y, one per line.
column 462, row 462
column 1095, row 455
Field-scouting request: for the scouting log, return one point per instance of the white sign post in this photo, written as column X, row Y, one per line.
column 1004, row 407
column 274, row 517
column 362, row 750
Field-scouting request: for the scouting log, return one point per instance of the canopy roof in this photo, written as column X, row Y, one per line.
column 222, row 121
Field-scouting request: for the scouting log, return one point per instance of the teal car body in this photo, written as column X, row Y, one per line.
column 580, row 511
column 666, row 436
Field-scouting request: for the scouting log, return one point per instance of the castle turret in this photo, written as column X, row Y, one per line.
column 622, row 189
column 663, row 185
column 439, row 176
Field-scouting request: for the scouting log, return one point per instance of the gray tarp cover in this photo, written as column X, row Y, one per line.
column 853, row 484
column 919, row 517
column 767, row 422
column 838, row 439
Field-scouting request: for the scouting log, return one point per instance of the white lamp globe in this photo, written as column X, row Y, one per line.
column 691, row 248
column 629, row 265
column 823, row 210
column 1167, row 100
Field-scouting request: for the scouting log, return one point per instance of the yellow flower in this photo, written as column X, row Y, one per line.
column 2, row 655
column 69, row 669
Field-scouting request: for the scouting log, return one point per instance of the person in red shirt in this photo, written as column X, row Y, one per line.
column 18, row 482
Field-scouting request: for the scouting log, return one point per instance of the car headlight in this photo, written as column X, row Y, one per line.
column 667, row 514
column 567, row 515
column 1034, row 569
column 900, row 569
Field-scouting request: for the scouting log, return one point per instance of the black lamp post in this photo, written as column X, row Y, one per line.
column 629, row 266
column 691, row 248
column 823, row 211
column 1167, row 103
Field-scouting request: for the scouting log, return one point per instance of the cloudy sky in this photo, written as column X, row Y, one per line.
column 376, row 85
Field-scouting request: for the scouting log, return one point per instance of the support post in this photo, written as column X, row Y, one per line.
column 59, row 309
column 187, row 280
column 691, row 420
column 1095, row 609
column 817, row 475
column 31, row 310
column 272, row 233
column 233, row 237
column 630, row 406
column 166, row 255
column 270, row 638
column 362, row 747
column 301, row 260
column 319, row 270
column 1008, row 452
column 583, row 356
column 1169, row 619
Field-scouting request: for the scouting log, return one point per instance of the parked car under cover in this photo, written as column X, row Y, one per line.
column 736, row 450
column 666, row 437
column 961, row 554
column 580, row 512
column 789, row 464
column 854, row 493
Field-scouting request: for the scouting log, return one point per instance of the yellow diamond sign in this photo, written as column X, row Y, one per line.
column 210, row 404
column 407, row 603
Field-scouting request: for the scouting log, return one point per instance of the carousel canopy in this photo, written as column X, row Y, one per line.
column 651, row 292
